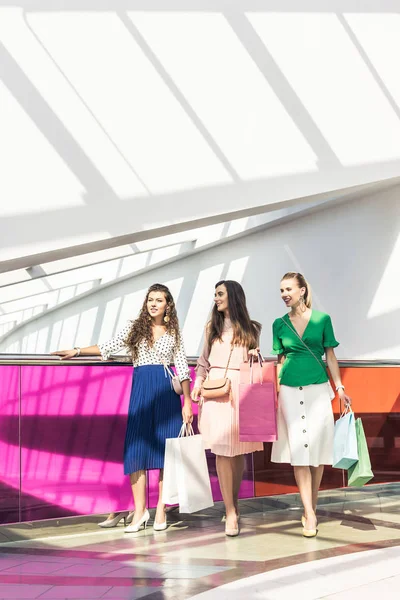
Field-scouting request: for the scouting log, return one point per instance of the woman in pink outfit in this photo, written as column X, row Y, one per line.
column 229, row 338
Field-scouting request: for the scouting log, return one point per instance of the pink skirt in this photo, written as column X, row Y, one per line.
column 219, row 420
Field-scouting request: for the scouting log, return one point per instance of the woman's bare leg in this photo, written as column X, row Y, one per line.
column 237, row 479
column 138, row 484
column 226, row 478
column 316, row 477
column 160, row 512
column 304, row 483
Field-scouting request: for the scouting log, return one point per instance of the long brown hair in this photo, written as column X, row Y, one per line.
column 302, row 282
column 141, row 329
column 245, row 331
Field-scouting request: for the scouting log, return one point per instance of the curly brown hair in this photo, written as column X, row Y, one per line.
column 141, row 329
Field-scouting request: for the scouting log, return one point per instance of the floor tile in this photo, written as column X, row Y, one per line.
column 11, row 591
column 125, row 593
column 64, row 592
column 270, row 559
column 83, row 570
column 33, row 568
column 8, row 562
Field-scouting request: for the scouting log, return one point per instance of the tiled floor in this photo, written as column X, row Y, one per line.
column 356, row 554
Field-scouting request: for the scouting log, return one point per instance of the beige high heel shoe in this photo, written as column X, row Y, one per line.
column 303, row 521
column 109, row 523
column 232, row 531
column 137, row 526
column 160, row 526
column 308, row 533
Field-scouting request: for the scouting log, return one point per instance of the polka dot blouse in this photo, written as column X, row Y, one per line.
column 163, row 352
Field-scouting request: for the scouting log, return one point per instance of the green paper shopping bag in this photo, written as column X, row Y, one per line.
column 360, row 473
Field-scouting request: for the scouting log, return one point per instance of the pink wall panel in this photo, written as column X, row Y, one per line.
column 62, row 434
column 72, row 433
column 9, row 443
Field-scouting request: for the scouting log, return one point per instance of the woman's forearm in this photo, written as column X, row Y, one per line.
column 333, row 367
column 90, row 351
column 186, row 390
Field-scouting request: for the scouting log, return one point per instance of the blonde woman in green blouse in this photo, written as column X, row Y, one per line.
column 305, row 417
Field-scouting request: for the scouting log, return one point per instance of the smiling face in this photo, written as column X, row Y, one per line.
column 291, row 292
column 221, row 298
column 156, row 304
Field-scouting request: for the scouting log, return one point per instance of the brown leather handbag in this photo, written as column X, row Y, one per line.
column 217, row 388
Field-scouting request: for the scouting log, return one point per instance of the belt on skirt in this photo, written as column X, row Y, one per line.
column 229, row 368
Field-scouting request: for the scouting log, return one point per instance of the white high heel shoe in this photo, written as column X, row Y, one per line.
column 160, row 526
column 108, row 523
column 134, row 528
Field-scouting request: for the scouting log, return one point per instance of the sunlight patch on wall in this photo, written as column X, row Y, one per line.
column 129, row 100
column 175, row 287
column 327, row 72
column 55, row 334
column 237, row 269
column 161, row 254
column 387, row 296
column 31, row 181
column 227, row 91
column 379, row 35
column 87, row 322
column 131, row 306
column 391, row 353
column 43, row 340
column 200, row 307
column 238, row 226
column 21, row 42
column 110, row 319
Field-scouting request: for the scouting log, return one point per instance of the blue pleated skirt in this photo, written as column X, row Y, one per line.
column 155, row 414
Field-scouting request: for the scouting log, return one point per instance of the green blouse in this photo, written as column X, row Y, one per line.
column 300, row 367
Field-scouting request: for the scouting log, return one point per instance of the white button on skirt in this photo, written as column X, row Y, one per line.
column 305, row 426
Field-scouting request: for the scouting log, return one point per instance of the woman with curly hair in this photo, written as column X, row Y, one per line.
column 155, row 412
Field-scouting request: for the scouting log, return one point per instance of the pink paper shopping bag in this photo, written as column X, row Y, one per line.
column 257, row 402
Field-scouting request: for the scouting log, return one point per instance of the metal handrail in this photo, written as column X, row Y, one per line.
column 125, row 360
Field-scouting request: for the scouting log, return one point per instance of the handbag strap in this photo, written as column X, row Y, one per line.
column 227, row 366
column 304, row 344
column 229, row 360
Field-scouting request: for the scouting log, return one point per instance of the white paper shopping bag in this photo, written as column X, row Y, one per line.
column 186, row 479
column 170, row 482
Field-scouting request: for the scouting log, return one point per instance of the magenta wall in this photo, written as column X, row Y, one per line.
column 61, row 441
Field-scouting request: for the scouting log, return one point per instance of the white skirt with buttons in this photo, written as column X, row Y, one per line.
column 305, row 426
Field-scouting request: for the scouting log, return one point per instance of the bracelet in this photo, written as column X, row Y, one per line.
column 77, row 349
column 340, row 387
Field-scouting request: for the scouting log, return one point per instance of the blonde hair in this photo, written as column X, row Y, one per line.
column 302, row 283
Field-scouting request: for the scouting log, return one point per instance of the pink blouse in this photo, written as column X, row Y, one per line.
column 219, row 354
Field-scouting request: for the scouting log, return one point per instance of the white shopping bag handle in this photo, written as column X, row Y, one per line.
column 347, row 409
column 186, row 430
column 260, row 362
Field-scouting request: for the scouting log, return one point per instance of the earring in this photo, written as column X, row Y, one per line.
column 166, row 319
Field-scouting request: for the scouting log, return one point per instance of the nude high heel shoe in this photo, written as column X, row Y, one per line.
column 232, row 531
column 308, row 533
column 160, row 526
column 134, row 528
column 109, row 523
